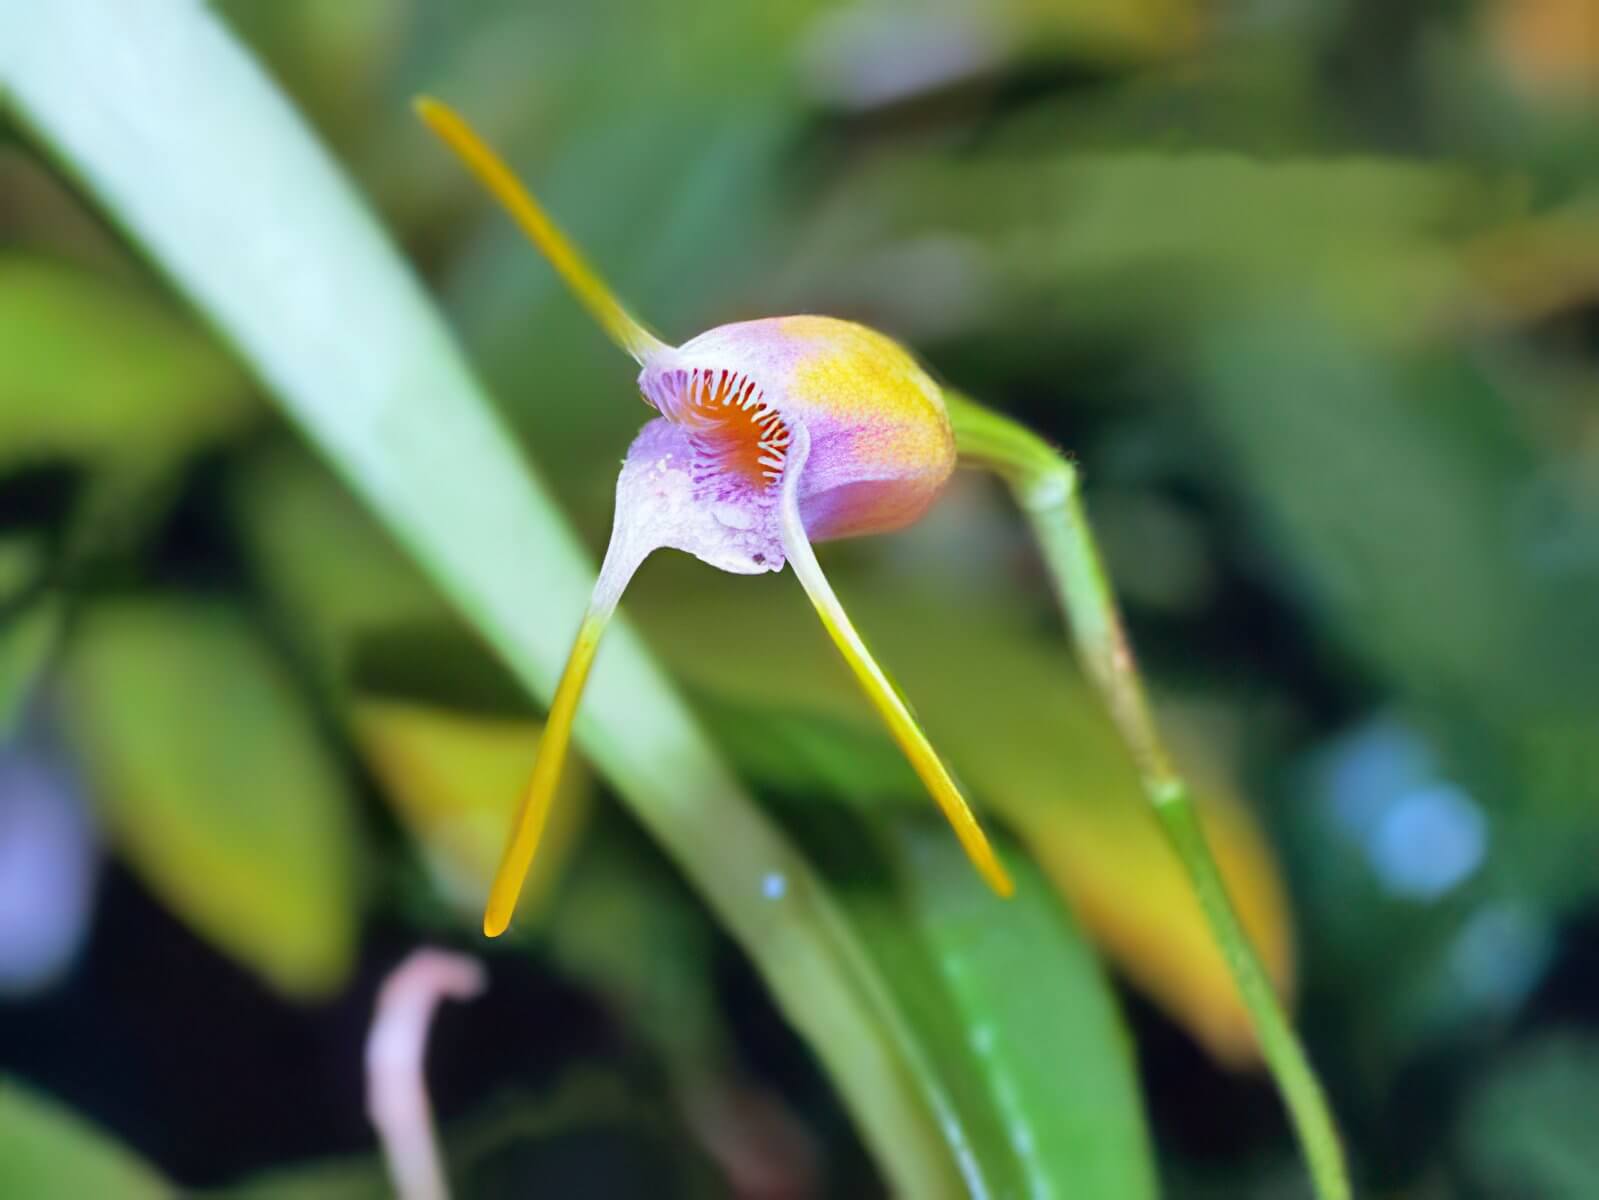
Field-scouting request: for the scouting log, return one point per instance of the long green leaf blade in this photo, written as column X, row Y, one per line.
column 191, row 149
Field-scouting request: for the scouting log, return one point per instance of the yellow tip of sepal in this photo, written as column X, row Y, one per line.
column 534, row 811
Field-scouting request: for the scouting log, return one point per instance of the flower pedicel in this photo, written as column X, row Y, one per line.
column 773, row 434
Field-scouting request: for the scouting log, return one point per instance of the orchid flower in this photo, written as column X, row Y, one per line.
column 772, row 435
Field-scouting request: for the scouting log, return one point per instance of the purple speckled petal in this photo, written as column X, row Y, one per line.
column 881, row 446
column 661, row 504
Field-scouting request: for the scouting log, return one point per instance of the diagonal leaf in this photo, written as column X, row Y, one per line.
column 1040, row 1020
column 1032, row 1052
column 1025, row 1053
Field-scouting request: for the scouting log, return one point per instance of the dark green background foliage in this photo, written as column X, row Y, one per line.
column 1311, row 293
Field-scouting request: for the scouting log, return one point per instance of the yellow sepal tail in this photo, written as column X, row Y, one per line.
column 504, row 186
column 534, row 811
column 875, row 683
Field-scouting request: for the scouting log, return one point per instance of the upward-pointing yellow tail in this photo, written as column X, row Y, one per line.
column 504, row 186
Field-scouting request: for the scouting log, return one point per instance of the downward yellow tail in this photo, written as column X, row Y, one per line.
column 531, row 817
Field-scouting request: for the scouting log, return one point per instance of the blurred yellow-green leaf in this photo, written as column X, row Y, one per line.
column 454, row 779
column 217, row 785
column 1106, row 34
column 151, row 383
column 47, row 1153
column 22, row 560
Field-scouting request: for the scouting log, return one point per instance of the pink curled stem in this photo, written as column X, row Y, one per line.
column 396, row 1086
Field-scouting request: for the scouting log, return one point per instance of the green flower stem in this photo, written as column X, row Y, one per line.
column 1046, row 486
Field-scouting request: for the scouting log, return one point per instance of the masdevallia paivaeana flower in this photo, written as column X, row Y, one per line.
column 773, row 434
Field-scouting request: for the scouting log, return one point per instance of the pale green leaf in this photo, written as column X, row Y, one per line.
column 216, row 784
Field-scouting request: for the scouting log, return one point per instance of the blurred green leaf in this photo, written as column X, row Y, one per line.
column 22, row 561
column 1391, row 486
column 29, row 627
column 1540, row 267
column 938, row 1043
column 153, row 384
column 332, row 574
column 1136, row 242
column 1139, row 29
column 809, row 753
column 625, row 925
column 597, row 1136
column 594, row 1135
column 47, row 1153
column 217, row 786
column 27, row 640
column 1528, row 1130
column 1451, row 555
